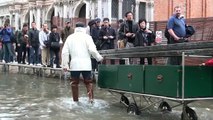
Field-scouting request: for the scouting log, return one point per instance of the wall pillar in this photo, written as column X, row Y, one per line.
column 137, row 10
column 109, row 4
column 31, row 17
column 65, row 10
column 100, row 14
column 16, row 20
column 38, row 17
column 120, row 5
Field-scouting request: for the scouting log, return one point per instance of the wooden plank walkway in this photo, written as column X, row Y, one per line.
column 39, row 70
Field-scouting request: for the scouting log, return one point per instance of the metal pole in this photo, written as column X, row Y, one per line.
column 183, row 75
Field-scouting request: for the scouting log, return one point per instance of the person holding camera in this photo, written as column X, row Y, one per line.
column 144, row 37
column 6, row 33
column 107, row 35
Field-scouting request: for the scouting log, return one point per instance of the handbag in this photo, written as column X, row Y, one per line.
column 55, row 45
column 121, row 44
column 189, row 31
column 47, row 43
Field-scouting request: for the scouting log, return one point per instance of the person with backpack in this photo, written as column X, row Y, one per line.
column 177, row 31
column 6, row 33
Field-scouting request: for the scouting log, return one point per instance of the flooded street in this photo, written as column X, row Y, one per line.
column 25, row 97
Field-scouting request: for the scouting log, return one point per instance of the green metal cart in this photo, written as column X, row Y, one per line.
column 180, row 83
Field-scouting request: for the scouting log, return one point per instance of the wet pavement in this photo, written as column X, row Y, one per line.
column 26, row 97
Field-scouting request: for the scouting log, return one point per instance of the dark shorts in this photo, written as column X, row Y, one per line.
column 76, row 74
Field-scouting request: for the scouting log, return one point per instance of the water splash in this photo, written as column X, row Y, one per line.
column 83, row 103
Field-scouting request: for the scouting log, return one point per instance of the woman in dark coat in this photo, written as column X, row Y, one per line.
column 144, row 37
column 54, row 38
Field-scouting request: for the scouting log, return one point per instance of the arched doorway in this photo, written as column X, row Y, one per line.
column 80, row 13
column 50, row 19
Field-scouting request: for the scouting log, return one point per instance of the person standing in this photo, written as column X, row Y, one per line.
column 6, row 33
column 127, row 32
column 80, row 47
column 22, row 40
column 144, row 37
column 66, row 31
column 107, row 35
column 176, row 28
column 44, row 45
column 128, row 29
column 54, row 46
column 34, row 44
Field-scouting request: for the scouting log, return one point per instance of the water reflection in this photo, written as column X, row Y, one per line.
column 24, row 97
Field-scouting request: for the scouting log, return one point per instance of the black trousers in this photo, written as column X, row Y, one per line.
column 21, row 53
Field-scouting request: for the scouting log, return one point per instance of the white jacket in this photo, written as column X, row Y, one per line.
column 43, row 37
column 80, row 46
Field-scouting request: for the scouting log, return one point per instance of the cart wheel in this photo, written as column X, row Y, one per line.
column 133, row 109
column 190, row 114
column 164, row 106
column 125, row 100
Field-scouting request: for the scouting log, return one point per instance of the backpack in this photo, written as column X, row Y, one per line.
column 189, row 31
column 167, row 35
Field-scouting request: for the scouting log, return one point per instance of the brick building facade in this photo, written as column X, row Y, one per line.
column 191, row 8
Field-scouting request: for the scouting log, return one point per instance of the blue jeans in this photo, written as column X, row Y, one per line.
column 34, row 55
column 1, row 54
column 8, row 53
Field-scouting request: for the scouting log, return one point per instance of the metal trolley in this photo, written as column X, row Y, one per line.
column 179, row 83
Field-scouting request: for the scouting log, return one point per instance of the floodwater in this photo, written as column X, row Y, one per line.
column 26, row 97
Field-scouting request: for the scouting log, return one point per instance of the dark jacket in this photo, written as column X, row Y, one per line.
column 65, row 33
column 34, row 37
column 142, row 38
column 94, row 32
column 54, row 38
column 20, row 37
column 109, row 43
column 125, row 28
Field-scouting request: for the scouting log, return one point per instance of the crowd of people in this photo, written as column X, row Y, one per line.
column 43, row 47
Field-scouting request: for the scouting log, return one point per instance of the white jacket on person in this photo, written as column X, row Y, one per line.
column 43, row 36
column 80, row 46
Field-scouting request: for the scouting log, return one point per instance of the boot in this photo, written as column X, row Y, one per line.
column 74, row 87
column 89, row 86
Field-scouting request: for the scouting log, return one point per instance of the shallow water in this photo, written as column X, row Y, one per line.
column 24, row 97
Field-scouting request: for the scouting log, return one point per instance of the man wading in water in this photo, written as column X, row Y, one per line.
column 80, row 47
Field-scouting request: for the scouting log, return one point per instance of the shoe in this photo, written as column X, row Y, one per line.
column 38, row 64
column 44, row 66
column 31, row 64
column 3, row 61
column 58, row 66
column 14, row 62
column 48, row 65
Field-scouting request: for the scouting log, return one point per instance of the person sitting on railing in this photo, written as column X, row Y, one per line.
column 144, row 37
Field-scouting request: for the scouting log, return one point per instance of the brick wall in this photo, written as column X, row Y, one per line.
column 163, row 9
